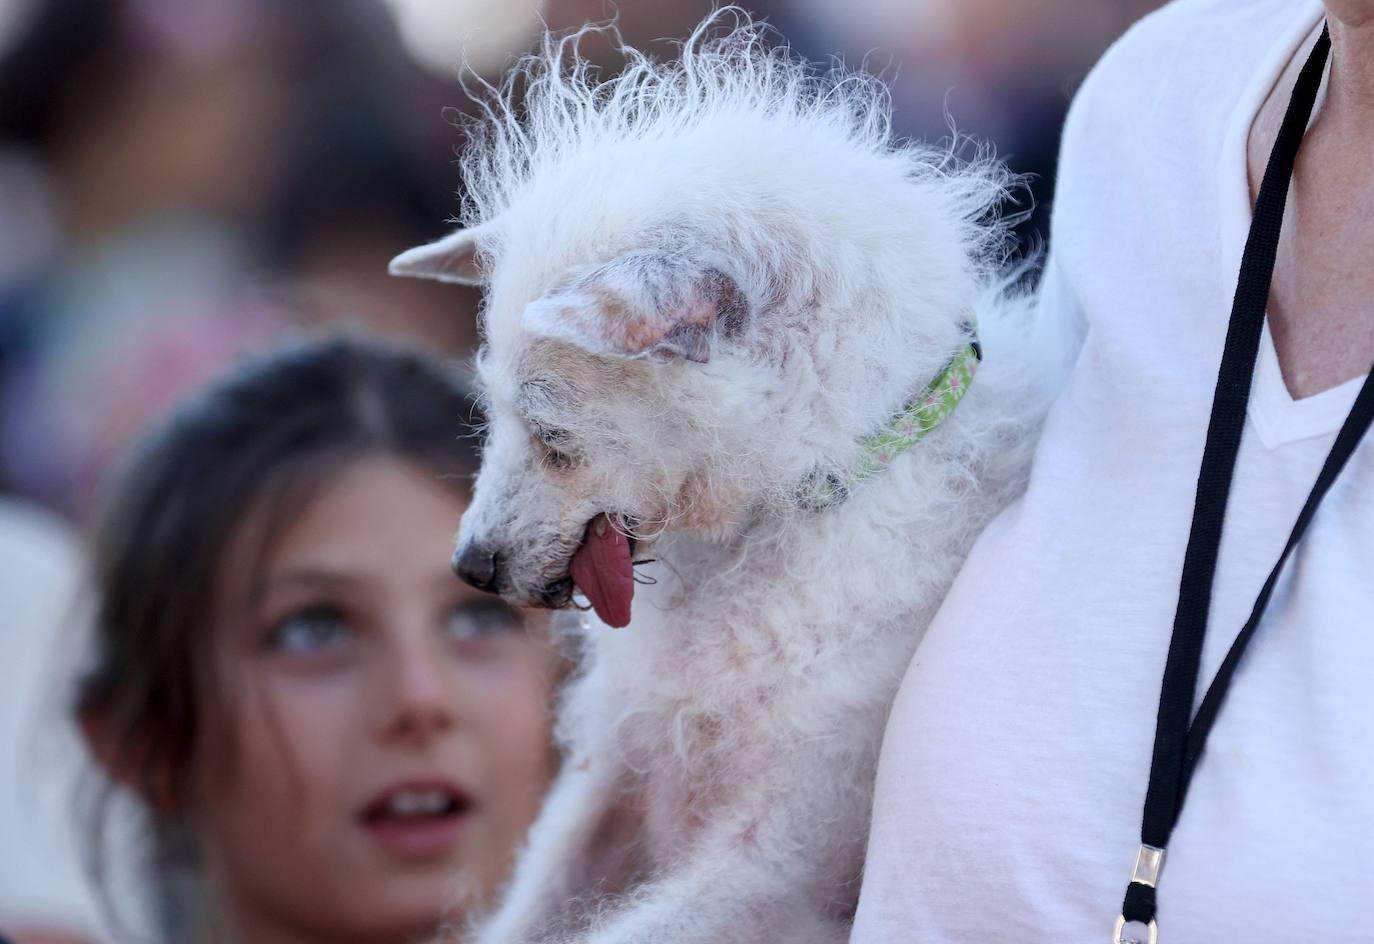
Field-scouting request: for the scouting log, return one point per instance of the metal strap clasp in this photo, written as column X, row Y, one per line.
column 1148, row 861
column 1152, row 932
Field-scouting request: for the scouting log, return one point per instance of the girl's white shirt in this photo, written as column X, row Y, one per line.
column 1016, row 758
column 47, row 777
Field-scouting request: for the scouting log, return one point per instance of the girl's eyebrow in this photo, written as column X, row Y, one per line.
column 322, row 577
column 313, row 576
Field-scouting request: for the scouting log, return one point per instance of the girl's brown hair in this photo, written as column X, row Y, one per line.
column 263, row 439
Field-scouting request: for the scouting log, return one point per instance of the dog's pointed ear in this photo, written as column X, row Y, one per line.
column 650, row 304
column 451, row 259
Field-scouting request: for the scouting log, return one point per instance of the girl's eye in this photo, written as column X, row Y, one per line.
column 480, row 619
column 314, row 629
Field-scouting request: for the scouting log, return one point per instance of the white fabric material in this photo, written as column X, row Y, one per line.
column 44, row 766
column 1016, row 758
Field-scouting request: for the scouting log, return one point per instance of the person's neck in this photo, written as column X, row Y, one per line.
column 1350, row 92
column 1318, row 313
column 254, row 928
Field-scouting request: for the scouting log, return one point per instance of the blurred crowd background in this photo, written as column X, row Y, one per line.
column 186, row 181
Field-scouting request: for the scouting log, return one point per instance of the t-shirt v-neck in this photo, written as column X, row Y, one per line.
column 1277, row 418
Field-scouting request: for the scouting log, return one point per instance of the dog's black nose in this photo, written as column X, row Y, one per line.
column 477, row 564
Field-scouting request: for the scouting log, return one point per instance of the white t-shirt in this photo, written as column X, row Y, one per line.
column 1014, row 770
column 45, row 769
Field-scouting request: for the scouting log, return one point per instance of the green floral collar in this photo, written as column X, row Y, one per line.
column 909, row 426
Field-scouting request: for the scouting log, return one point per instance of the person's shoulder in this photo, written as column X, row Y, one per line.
column 1172, row 30
column 1175, row 75
column 1196, row 39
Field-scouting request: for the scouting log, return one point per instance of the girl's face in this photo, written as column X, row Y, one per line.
column 379, row 739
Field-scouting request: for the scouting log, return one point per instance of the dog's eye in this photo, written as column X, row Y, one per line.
column 559, row 460
column 550, row 443
column 550, row 436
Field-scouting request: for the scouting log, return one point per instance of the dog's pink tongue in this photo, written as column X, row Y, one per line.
column 602, row 570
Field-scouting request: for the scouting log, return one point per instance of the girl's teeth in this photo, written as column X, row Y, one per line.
column 418, row 802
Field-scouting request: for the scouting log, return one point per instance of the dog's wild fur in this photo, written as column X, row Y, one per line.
column 707, row 280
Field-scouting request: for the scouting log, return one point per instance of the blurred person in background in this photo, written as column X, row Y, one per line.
column 996, row 71
column 179, row 185
column 338, row 740
column 352, row 184
column 136, row 138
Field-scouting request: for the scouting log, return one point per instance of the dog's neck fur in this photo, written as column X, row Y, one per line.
column 917, row 418
column 927, row 490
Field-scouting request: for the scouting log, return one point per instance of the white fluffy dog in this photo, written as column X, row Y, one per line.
column 720, row 300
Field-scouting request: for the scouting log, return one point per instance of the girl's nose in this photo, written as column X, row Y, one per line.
column 422, row 699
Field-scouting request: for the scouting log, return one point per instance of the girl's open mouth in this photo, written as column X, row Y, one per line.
column 417, row 820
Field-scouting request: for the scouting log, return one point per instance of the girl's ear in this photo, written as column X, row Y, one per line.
column 452, row 259
column 132, row 762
